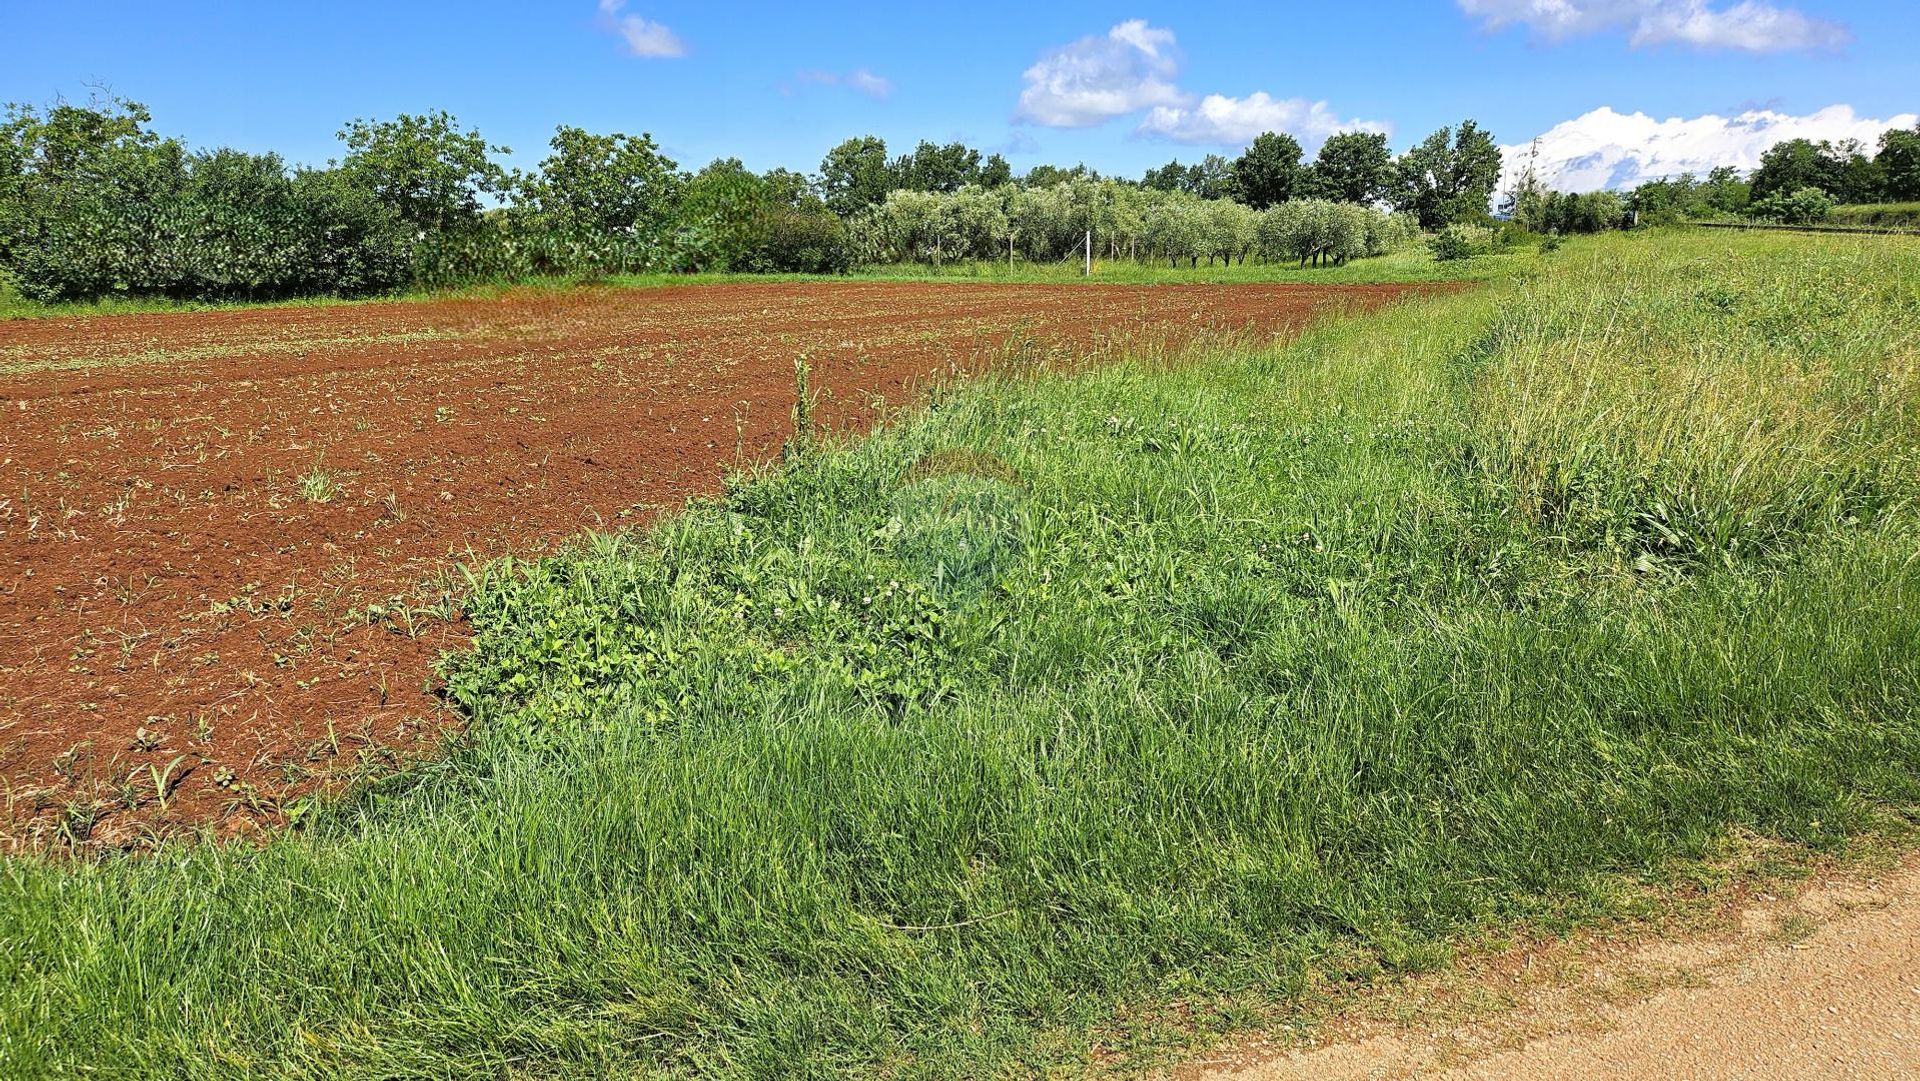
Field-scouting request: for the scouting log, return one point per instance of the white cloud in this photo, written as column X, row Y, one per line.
column 861, row 81
column 645, row 39
column 1127, row 69
column 1132, row 68
column 1235, row 121
column 866, row 82
column 1606, row 149
column 1750, row 25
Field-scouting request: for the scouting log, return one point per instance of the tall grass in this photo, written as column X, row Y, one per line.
column 1889, row 215
column 1074, row 699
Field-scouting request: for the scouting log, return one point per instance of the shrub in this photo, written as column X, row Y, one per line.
column 1459, row 242
column 1802, row 206
column 801, row 242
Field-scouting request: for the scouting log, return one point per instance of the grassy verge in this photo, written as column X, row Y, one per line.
column 1073, row 703
column 1891, row 215
column 1412, row 265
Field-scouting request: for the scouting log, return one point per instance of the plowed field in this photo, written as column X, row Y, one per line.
column 226, row 538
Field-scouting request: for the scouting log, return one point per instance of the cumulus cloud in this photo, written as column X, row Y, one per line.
column 1219, row 119
column 1606, row 149
column 1127, row 69
column 1132, row 68
column 1749, row 25
column 861, row 81
column 643, row 38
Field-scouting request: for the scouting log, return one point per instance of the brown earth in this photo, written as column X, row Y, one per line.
column 226, row 538
column 1800, row 985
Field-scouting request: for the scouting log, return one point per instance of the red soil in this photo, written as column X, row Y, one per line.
column 185, row 636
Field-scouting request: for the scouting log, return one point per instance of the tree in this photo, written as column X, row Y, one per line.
column 1724, row 191
column 790, row 189
column 995, row 172
column 1212, row 178
column 1899, row 161
column 728, row 203
column 1169, row 177
column 1230, row 230
column 937, row 168
column 1794, row 164
column 1449, row 177
column 1176, row 227
column 604, row 184
column 1046, row 176
column 1269, row 171
column 430, row 171
column 92, row 201
column 1857, row 178
column 1526, row 202
column 1352, row 167
column 855, row 175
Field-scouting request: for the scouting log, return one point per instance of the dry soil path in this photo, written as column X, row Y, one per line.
column 1825, row 985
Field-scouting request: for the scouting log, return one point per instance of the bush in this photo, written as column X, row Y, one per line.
column 801, row 242
column 1803, row 206
column 1459, row 242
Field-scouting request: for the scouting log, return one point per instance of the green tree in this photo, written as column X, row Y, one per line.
column 729, row 203
column 1724, row 191
column 1794, row 164
column 1899, row 161
column 427, row 168
column 1169, row 177
column 1449, row 177
column 1046, row 176
column 994, row 172
column 855, row 175
column 1269, row 171
column 1352, row 167
column 790, row 189
column 604, row 184
column 937, row 168
column 1857, row 177
column 90, row 200
column 1212, row 179
column 351, row 242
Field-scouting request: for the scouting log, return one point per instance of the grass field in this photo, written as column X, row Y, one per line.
column 1078, row 710
column 1890, row 215
column 1414, row 264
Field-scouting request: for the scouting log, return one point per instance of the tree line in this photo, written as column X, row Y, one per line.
column 94, row 202
column 1797, row 181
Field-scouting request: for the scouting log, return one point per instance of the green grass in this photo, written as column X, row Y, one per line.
column 1889, row 215
column 1412, row 265
column 1099, row 707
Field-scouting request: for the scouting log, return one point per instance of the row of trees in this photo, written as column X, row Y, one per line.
column 1447, row 177
column 93, row 202
column 1797, row 180
column 1051, row 223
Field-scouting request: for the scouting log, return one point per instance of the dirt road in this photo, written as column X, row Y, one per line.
column 1825, row 985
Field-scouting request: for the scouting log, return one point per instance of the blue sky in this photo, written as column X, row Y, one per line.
column 1119, row 87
